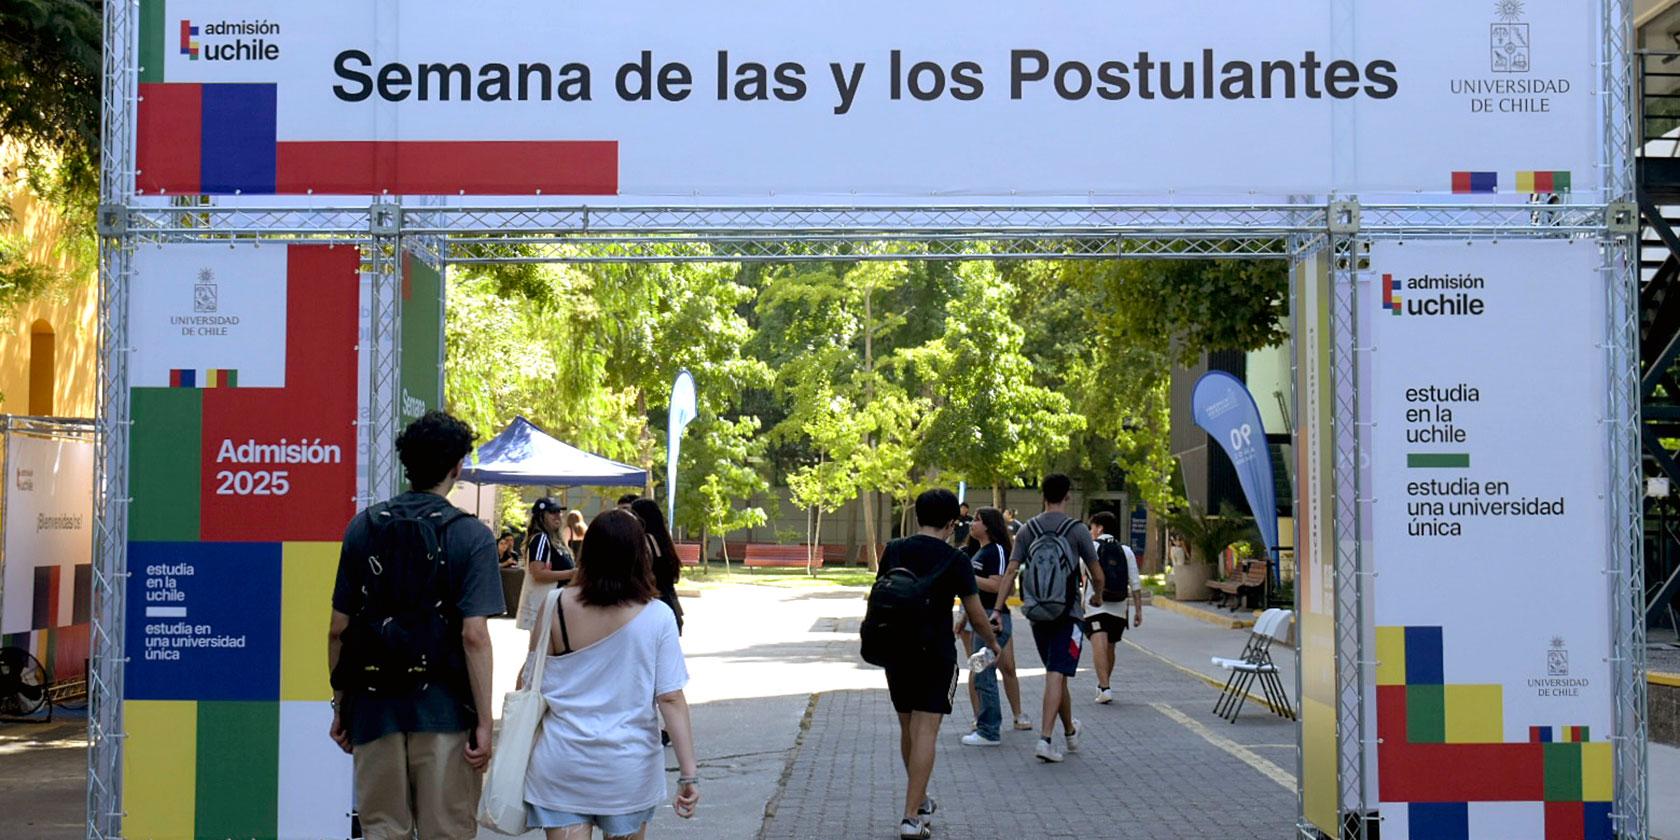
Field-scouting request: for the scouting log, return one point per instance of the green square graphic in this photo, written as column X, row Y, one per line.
column 238, row 770
column 1426, row 714
column 1563, row 772
column 164, row 451
column 153, row 14
column 1438, row 460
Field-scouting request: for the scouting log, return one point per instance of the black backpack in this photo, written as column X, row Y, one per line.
column 1117, row 576
column 406, row 636
column 896, row 626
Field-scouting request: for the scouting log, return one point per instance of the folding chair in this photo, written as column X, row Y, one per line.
column 1255, row 663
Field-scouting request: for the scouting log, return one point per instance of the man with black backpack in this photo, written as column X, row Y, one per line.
column 409, row 646
column 907, row 631
column 1107, row 623
column 1047, row 557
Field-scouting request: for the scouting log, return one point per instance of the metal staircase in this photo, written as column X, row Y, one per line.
column 1659, row 325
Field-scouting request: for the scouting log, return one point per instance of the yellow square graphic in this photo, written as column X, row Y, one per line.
column 1391, row 655
column 1475, row 714
column 306, row 583
column 1597, row 772
column 160, row 767
column 1525, row 182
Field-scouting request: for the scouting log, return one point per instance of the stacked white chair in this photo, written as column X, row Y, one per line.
column 1255, row 664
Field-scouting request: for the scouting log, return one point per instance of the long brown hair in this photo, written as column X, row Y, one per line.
column 614, row 565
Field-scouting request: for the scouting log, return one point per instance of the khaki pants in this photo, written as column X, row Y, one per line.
column 416, row 781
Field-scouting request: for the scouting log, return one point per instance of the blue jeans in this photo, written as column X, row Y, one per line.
column 990, row 722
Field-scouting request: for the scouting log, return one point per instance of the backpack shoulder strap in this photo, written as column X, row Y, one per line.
column 1066, row 526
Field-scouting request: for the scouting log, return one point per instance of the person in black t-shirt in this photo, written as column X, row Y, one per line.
column 921, row 690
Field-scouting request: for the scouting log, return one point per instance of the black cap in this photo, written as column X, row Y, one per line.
column 546, row 504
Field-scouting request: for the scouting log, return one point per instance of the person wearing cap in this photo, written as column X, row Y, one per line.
column 548, row 562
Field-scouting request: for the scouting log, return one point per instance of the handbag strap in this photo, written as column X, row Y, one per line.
column 546, row 621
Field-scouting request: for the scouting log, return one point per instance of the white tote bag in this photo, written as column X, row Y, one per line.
column 502, row 806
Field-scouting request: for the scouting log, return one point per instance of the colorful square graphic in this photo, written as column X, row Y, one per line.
column 1391, row 301
column 1539, row 183
column 1445, row 770
column 189, row 40
column 1470, row 183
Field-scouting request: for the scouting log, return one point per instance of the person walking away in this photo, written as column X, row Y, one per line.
column 625, row 500
column 613, row 658
column 408, row 646
column 548, row 563
column 667, row 567
column 1106, row 623
column 907, row 630
column 573, row 531
column 1048, row 552
column 988, row 561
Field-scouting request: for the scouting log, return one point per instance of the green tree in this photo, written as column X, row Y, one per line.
column 720, row 478
column 991, row 422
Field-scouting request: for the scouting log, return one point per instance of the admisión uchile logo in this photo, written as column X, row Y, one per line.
column 1433, row 294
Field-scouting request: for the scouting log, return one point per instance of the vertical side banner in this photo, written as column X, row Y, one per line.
column 1489, row 472
column 243, row 475
column 1314, row 553
column 422, row 340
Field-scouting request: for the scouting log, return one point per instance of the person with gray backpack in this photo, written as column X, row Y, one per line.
column 1048, row 553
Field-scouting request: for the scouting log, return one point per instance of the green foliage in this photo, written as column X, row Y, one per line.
column 1208, row 536
column 991, row 423
column 50, row 85
column 720, row 474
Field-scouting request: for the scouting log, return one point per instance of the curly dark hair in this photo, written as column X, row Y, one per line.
column 431, row 446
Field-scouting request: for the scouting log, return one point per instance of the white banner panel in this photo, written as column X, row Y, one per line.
column 939, row 101
column 49, row 533
column 199, row 311
column 1488, row 474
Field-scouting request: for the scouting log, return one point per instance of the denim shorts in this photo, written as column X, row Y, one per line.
column 611, row 825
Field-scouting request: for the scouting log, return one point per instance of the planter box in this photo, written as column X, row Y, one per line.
column 1190, row 581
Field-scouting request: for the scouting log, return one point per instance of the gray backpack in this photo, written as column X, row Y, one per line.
column 1049, row 577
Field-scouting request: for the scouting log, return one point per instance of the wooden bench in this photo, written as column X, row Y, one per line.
column 688, row 554
column 760, row 556
column 1251, row 578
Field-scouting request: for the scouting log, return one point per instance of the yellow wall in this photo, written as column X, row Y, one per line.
column 72, row 311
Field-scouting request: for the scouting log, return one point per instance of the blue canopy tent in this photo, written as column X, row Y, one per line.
column 525, row 454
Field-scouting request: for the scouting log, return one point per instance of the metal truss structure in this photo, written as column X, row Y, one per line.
column 442, row 232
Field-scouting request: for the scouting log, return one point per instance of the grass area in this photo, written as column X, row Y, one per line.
column 714, row 575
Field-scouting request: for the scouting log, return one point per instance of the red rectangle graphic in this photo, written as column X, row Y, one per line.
column 168, row 130
column 416, row 167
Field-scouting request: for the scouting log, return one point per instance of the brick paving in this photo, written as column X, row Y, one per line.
column 1139, row 773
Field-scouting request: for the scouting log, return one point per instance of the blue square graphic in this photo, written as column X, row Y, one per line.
column 203, row 621
column 1484, row 182
column 1423, row 656
column 1597, row 816
column 239, row 140
column 1440, row 820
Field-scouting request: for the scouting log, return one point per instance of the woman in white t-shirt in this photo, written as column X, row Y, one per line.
column 614, row 657
column 548, row 562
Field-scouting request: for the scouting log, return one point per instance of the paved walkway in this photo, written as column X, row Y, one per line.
column 1155, row 763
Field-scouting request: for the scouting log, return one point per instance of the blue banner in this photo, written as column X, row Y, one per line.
column 1223, row 407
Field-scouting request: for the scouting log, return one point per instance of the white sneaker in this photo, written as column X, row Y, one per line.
column 1072, row 737
column 1023, row 724
column 975, row 739
column 909, row 829
column 1104, row 696
column 1046, row 752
